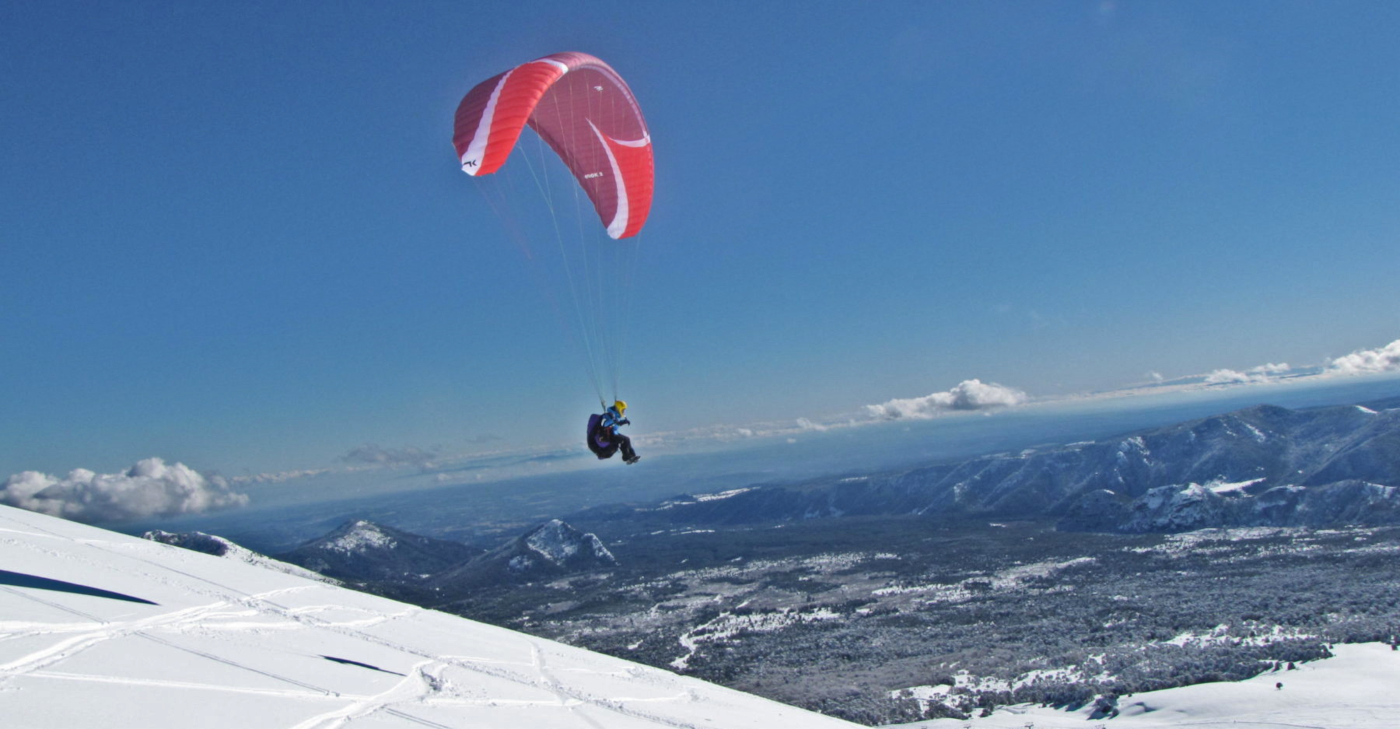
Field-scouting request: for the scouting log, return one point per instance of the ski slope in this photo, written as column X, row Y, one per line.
column 99, row 629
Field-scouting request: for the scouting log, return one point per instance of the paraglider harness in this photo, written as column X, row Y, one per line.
column 605, row 441
column 600, row 439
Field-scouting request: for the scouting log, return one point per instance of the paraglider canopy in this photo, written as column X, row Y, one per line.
column 590, row 155
column 586, row 113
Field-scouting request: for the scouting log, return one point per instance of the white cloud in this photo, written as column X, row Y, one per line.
column 150, row 488
column 1262, row 373
column 1367, row 361
column 1226, row 377
column 806, row 424
column 968, row 395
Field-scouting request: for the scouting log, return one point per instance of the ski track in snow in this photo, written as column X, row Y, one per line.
column 411, row 688
column 87, row 639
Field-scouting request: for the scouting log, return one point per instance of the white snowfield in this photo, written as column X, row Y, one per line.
column 98, row 629
column 1358, row 688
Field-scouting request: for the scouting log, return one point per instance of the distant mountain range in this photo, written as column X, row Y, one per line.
column 1262, row 466
column 365, row 552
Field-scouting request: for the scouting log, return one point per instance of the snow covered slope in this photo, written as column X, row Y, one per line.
column 1355, row 689
column 101, row 629
column 220, row 547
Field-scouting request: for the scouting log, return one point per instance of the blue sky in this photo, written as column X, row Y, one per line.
column 235, row 235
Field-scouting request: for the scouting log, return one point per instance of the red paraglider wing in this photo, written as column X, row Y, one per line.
column 587, row 115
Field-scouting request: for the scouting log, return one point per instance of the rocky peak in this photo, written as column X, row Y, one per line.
column 196, row 541
column 562, row 544
column 358, row 537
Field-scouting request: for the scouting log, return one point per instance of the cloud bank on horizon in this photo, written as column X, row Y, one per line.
column 1361, row 362
column 148, row 489
column 1262, row 373
column 153, row 488
column 974, row 394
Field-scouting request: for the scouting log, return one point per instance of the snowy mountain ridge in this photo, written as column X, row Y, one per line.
column 361, row 550
column 1261, row 466
column 550, row 550
column 219, row 547
column 102, row 629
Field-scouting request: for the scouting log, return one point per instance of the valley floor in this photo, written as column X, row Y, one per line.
column 889, row 621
